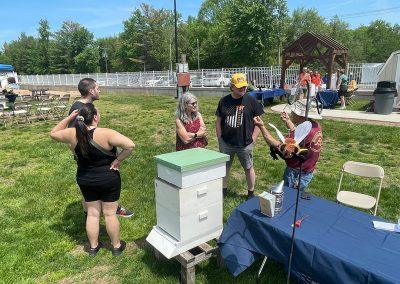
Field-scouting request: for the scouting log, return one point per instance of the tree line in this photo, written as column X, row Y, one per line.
column 225, row 33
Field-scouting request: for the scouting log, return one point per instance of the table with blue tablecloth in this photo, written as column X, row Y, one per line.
column 266, row 95
column 328, row 98
column 334, row 244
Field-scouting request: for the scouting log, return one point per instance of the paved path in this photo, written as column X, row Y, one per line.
column 360, row 116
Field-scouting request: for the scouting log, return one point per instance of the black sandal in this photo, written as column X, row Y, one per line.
column 118, row 251
column 94, row 251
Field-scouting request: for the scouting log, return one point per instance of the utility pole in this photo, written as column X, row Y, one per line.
column 198, row 55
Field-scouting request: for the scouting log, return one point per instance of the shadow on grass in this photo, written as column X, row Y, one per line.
column 73, row 223
column 163, row 267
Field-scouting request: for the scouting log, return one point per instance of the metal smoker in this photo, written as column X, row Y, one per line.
column 278, row 192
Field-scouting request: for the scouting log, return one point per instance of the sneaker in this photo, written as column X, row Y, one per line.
column 250, row 194
column 342, row 107
column 123, row 212
column 118, row 251
column 94, row 251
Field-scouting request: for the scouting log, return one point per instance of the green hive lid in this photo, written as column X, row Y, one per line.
column 192, row 159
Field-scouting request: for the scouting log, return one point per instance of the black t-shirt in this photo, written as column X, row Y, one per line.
column 76, row 105
column 237, row 119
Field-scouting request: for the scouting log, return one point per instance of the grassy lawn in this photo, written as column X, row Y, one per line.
column 41, row 220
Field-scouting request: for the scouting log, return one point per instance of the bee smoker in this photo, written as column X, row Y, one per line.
column 278, row 192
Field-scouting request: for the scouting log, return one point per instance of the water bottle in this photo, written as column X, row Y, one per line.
column 278, row 192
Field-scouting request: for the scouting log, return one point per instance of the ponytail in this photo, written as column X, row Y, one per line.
column 84, row 118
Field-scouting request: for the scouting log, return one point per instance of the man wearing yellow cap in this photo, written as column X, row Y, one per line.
column 235, row 129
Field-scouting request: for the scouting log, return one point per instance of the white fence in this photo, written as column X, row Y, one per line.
column 366, row 74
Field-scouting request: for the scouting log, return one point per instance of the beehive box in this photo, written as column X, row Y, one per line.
column 191, row 167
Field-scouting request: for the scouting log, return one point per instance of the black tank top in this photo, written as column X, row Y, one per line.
column 95, row 168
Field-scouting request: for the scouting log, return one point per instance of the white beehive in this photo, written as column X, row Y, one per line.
column 186, row 213
column 188, row 200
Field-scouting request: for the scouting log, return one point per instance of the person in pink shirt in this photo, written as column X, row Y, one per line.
column 304, row 78
column 312, row 142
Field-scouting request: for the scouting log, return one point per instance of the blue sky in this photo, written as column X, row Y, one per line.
column 104, row 18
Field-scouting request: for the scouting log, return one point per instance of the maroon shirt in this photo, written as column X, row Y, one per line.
column 313, row 142
column 192, row 127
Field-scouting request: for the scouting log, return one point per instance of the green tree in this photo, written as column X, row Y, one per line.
column 109, row 46
column 69, row 42
column 23, row 54
column 146, row 37
column 44, row 47
column 88, row 60
column 305, row 20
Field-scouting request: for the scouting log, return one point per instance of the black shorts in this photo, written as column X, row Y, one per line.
column 106, row 192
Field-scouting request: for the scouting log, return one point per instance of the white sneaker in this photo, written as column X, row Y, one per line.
column 342, row 107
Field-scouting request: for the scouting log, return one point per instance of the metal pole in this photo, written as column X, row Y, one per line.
column 298, row 194
column 198, row 55
column 176, row 44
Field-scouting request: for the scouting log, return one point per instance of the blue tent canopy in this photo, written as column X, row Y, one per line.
column 6, row 67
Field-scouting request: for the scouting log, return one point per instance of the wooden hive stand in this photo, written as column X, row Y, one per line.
column 190, row 258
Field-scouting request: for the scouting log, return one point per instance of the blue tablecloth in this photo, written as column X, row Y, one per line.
column 335, row 244
column 328, row 98
column 267, row 94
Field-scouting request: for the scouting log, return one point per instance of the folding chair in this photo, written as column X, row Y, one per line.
column 21, row 112
column 60, row 107
column 44, row 109
column 351, row 92
column 356, row 199
column 5, row 116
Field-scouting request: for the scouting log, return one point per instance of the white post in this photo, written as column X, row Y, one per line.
column 117, row 79
column 222, row 78
column 106, row 79
column 202, row 75
column 140, row 79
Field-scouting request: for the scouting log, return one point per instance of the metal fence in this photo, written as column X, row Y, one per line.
column 366, row 74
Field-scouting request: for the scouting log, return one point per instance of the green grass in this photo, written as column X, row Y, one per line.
column 41, row 219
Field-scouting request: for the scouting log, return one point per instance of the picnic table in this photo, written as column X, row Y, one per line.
column 37, row 93
column 335, row 243
column 328, row 98
column 267, row 95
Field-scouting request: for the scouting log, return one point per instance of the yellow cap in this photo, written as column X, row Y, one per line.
column 239, row 80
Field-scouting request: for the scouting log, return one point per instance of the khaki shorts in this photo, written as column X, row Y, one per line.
column 245, row 154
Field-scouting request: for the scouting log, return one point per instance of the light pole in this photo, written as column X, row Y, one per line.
column 105, row 56
column 198, row 55
column 176, row 44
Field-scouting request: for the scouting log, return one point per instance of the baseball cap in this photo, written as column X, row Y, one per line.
column 239, row 80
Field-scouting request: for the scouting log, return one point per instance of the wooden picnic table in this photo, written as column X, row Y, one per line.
column 37, row 93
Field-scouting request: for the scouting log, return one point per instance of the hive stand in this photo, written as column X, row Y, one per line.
column 190, row 258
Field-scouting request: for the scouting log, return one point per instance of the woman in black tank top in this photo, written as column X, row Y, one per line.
column 97, row 175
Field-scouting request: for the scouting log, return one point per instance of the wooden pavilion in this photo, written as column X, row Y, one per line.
column 313, row 46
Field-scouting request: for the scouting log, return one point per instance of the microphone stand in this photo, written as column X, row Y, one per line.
column 298, row 194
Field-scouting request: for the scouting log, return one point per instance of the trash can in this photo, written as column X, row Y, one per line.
column 384, row 94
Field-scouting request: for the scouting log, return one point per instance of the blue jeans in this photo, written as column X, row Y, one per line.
column 291, row 178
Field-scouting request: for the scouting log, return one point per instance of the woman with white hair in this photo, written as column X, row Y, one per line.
column 191, row 131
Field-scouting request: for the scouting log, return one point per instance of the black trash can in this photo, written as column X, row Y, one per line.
column 384, row 94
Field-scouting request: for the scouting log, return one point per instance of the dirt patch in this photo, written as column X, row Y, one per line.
column 80, row 249
column 98, row 274
column 237, row 175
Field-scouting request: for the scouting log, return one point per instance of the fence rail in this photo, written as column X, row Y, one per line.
column 366, row 75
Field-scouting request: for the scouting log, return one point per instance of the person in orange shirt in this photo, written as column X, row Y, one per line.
column 304, row 78
column 316, row 79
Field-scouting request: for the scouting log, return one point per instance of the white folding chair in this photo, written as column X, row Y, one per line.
column 21, row 112
column 356, row 199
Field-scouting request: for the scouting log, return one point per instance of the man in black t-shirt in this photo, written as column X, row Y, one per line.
column 236, row 131
column 90, row 92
